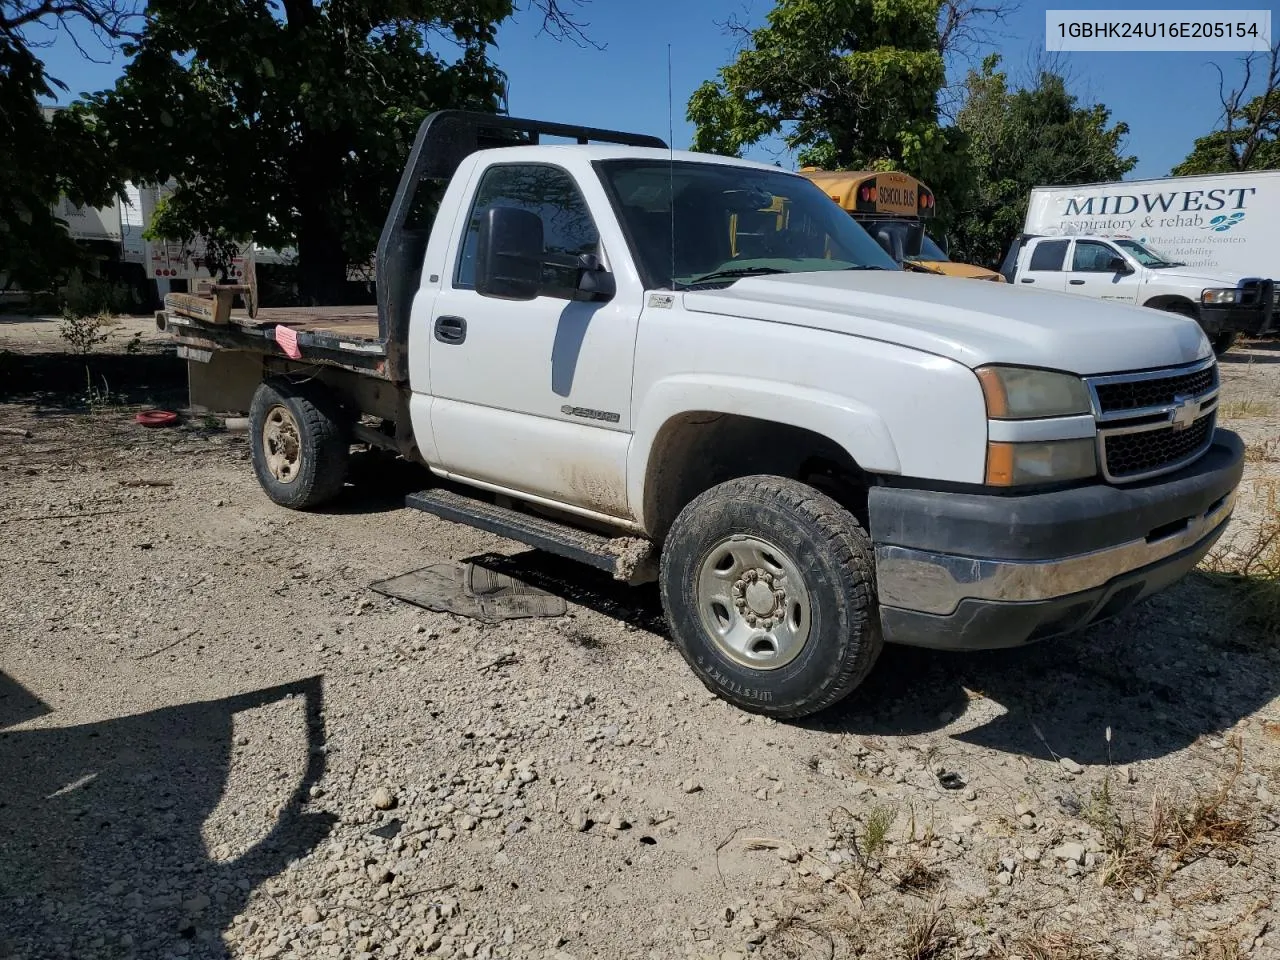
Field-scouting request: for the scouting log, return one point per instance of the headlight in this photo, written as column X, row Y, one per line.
column 1019, row 393
column 1220, row 295
column 1012, row 464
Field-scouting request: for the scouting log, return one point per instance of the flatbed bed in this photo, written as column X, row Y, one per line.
column 346, row 337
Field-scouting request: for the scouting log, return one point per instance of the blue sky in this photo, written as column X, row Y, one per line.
column 1168, row 99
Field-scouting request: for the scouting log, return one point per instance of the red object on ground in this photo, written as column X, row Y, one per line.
column 157, row 418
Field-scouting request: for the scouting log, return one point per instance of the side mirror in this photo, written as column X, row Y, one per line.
column 1119, row 265
column 594, row 281
column 509, row 254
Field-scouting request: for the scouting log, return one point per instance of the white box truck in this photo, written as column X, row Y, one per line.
column 1227, row 222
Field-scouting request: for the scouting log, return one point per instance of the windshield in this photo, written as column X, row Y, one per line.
column 729, row 222
column 1144, row 255
column 929, row 250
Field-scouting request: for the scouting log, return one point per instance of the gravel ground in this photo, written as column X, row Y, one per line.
column 216, row 741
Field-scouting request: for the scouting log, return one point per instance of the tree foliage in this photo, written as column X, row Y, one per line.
column 43, row 158
column 849, row 85
column 288, row 121
column 1024, row 138
column 1249, row 135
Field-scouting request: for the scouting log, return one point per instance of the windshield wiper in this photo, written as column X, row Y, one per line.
column 735, row 272
column 870, row 267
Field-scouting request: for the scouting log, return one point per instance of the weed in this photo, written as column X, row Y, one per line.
column 875, row 836
column 89, row 296
column 1213, row 825
column 1264, row 451
column 84, row 332
column 1049, row 946
column 1244, row 409
column 929, row 933
column 94, row 398
column 1250, row 567
column 916, row 875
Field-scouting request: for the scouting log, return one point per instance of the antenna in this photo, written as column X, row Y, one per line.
column 671, row 171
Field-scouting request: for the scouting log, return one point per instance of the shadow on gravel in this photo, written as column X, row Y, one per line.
column 62, row 379
column 101, row 852
column 583, row 585
column 377, row 482
column 1161, row 676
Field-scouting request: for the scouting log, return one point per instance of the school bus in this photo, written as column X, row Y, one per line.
column 895, row 209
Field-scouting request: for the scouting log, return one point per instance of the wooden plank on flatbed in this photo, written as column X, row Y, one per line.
column 357, row 323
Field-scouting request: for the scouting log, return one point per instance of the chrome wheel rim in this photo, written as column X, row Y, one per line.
column 281, row 444
column 753, row 603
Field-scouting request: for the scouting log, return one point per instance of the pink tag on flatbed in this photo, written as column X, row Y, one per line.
column 287, row 337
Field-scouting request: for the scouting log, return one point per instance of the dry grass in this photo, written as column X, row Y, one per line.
column 929, row 934
column 1049, row 946
column 1249, row 566
column 1176, row 832
column 1213, row 825
column 1263, row 451
column 1245, row 409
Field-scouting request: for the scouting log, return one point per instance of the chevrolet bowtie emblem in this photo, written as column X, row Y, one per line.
column 1184, row 412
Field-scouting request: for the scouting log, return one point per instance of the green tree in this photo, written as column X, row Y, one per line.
column 1024, row 138
column 848, row 85
column 288, row 121
column 44, row 157
column 1249, row 135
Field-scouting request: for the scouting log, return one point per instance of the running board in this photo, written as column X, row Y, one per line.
column 629, row 559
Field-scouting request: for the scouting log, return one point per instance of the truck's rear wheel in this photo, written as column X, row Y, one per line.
column 769, row 590
column 299, row 442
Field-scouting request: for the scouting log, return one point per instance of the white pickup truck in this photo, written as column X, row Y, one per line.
column 1124, row 270
column 812, row 451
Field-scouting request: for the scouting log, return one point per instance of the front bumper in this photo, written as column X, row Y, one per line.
column 974, row 571
column 1252, row 321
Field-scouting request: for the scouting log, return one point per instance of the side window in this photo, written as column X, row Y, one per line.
column 550, row 193
column 1048, row 255
column 1092, row 257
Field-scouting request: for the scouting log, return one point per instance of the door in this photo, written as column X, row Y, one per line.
column 1044, row 265
column 534, row 396
column 1093, row 274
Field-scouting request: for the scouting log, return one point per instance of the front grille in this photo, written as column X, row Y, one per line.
column 1254, row 293
column 1156, row 392
column 1134, row 454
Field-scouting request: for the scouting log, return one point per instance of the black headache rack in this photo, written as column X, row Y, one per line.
column 444, row 140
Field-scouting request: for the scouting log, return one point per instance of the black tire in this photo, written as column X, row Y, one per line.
column 318, row 470
column 831, row 553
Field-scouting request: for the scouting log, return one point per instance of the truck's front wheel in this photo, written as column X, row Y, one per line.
column 769, row 591
column 299, row 441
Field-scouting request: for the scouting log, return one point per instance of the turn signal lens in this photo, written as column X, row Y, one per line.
column 1056, row 461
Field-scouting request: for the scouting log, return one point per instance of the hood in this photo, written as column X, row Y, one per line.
column 1221, row 278
column 971, row 323
column 950, row 268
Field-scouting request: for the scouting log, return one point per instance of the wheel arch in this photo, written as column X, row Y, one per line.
column 686, row 442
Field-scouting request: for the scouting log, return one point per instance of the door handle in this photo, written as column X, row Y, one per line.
column 1027, row 280
column 1076, row 283
column 451, row 330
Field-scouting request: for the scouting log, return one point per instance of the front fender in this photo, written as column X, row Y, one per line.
column 857, row 428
